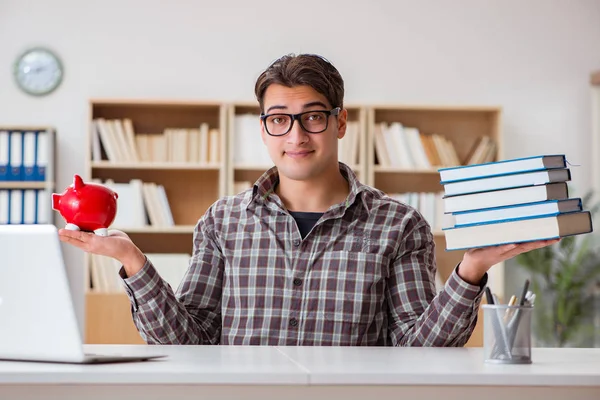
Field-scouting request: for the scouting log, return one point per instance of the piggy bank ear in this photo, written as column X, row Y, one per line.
column 77, row 182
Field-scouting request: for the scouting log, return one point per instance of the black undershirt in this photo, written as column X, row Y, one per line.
column 305, row 221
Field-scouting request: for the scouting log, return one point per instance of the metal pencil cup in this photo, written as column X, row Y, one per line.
column 507, row 334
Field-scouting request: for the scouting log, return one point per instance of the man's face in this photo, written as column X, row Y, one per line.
column 300, row 155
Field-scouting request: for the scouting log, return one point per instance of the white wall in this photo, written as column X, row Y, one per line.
column 532, row 57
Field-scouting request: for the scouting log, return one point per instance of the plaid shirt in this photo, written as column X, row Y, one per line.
column 364, row 275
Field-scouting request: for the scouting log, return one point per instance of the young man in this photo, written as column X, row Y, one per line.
column 309, row 255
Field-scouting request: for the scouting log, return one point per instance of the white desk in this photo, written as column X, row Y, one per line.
column 308, row 373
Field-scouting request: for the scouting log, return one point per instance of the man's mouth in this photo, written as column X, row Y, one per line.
column 299, row 154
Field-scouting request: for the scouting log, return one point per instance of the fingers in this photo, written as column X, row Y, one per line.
column 85, row 241
column 75, row 235
column 117, row 233
column 529, row 246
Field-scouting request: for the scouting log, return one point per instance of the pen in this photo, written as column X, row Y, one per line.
column 511, row 302
column 499, row 329
column 524, row 294
column 513, row 324
column 488, row 295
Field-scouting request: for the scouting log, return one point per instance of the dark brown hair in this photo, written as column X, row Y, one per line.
column 303, row 69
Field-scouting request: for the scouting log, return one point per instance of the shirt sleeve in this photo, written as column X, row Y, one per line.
column 191, row 315
column 419, row 317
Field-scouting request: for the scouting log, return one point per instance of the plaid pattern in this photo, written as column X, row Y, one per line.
column 364, row 275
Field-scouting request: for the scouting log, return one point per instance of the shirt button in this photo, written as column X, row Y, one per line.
column 293, row 322
column 297, row 281
column 296, row 243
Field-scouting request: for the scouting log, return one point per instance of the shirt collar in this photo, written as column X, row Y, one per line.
column 266, row 183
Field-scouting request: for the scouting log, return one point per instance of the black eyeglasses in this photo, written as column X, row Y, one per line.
column 315, row 121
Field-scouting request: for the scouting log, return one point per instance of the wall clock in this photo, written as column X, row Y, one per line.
column 38, row 71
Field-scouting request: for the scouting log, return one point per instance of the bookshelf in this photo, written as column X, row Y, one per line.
column 27, row 177
column 355, row 152
column 407, row 144
column 192, row 186
column 247, row 156
column 180, row 146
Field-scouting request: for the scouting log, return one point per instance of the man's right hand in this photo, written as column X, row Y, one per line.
column 116, row 245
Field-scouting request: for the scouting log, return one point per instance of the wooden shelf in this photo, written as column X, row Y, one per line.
column 394, row 170
column 155, row 166
column 189, row 229
column 404, row 182
column 26, row 185
column 260, row 168
column 109, row 320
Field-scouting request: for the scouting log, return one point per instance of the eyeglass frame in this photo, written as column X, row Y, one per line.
column 335, row 112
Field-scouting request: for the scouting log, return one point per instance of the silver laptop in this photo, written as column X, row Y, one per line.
column 37, row 317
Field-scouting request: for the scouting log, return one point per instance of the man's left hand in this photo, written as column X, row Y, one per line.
column 476, row 262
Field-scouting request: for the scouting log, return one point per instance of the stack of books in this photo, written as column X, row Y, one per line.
column 511, row 201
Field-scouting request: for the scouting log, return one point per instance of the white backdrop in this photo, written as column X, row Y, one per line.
column 532, row 57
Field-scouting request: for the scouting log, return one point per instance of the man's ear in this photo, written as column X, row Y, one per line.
column 342, row 120
column 263, row 134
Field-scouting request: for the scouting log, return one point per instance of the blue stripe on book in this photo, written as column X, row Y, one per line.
column 515, row 206
column 447, row 196
column 478, row 177
column 513, row 219
column 499, row 221
column 502, row 161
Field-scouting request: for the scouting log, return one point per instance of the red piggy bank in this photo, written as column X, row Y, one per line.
column 89, row 207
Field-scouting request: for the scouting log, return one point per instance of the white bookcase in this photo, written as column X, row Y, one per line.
column 27, row 162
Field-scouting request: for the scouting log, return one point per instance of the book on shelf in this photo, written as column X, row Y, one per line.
column 429, row 204
column 118, row 140
column 483, row 151
column 407, row 147
column 140, row 204
column 248, row 148
column 513, row 207
column 349, row 145
column 104, row 271
column 24, row 154
column 24, row 206
column 504, row 167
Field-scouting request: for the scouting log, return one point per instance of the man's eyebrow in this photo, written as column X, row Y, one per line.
column 277, row 107
column 307, row 105
column 315, row 103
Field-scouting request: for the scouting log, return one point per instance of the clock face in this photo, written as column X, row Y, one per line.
column 38, row 71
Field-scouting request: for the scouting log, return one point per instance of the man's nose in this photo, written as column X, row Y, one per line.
column 297, row 134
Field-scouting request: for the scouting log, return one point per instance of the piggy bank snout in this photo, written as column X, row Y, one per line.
column 55, row 201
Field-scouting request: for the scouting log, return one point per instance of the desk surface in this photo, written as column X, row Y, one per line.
column 230, row 365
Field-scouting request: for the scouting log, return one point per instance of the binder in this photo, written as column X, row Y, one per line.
column 41, row 155
column 4, row 155
column 29, row 142
column 29, row 210
column 16, row 206
column 16, row 155
column 4, row 206
column 43, row 209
